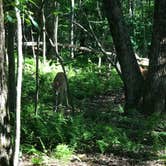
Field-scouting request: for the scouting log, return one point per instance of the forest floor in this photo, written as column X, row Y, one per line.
column 104, row 103
column 94, row 160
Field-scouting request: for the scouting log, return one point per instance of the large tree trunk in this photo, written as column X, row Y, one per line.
column 4, row 113
column 132, row 78
column 155, row 95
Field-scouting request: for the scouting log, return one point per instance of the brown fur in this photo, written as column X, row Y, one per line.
column 144, row 72
column 60, row 89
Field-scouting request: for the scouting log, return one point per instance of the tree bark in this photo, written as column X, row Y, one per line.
column 155, row 94
column 33, row 47
column 44, row 34
column 37, row 76
column 133, row 81
column 55, row 30
column 11, row 71
column 72, row 29
column 4, row 113
column 19, row 86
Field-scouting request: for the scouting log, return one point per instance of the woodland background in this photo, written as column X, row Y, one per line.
column 117, row 114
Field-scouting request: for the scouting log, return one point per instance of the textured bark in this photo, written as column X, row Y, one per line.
column 155, row 95
column 19, row 86
column 132, row 78
column 11, row 71
column 4, row 114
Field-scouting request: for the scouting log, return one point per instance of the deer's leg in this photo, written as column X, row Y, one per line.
column 66, row 98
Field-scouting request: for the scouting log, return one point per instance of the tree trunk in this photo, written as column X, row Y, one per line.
column 37, row 76
column 131, row 74
column 155, row 94
column 131, row 8
column 44, row 35
column 72, row 29
column 19, row 86
column 11, row 71
column 33, row 47
column 39, row 31
column 4, row 113
column 55, row 31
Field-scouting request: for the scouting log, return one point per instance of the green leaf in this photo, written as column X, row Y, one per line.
column 34, row 22
column 9, row 18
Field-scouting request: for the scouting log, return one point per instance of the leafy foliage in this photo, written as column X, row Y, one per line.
column 89, row 129
column 63, row 152
column 86, row 131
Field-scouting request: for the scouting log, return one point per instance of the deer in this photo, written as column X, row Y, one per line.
column 144, row 71
column 60, row 90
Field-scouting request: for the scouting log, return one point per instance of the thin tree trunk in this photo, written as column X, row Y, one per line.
column 4, row 113
column 98, row 10
column 99, row 63
column 56, row 21
column 130, row 70
column 72, row 29
column 131, row 8
column 37, row 56
column 44, row 35
column 33, row 47
column 37, row 77
column 19, row 86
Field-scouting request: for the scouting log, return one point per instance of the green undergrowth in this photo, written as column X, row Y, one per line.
column 102, row 132
column 84, row 82
column 134, row 137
